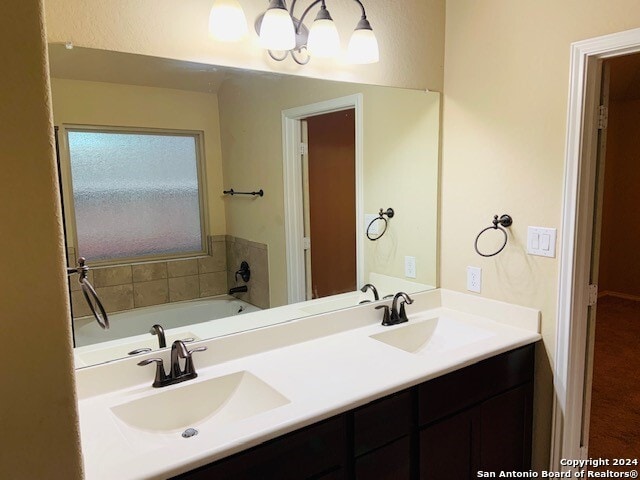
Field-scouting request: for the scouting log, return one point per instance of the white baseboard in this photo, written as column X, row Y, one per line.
column 625, row 296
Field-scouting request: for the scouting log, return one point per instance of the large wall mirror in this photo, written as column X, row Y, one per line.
column 147, row 148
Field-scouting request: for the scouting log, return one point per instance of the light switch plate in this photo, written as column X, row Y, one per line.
column 368, row 218
column 541, row 241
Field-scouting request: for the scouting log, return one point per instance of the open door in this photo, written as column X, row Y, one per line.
column 595, row 255
column 331, row 211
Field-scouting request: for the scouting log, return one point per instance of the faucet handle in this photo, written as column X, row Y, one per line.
column 189, row 368
column 138, row 351
column 197, row 349
column 161, row 375
column 385, row 316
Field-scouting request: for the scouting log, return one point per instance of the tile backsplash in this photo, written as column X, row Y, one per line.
column 124, row 287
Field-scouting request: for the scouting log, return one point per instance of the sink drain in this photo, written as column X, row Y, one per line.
column 189, row 432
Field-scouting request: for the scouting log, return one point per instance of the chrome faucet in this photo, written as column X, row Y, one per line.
column 159, row 331
column 176, row 374
column 370, row 286
column 394, row 317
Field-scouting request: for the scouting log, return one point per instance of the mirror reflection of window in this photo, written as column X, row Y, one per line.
column 135, row 194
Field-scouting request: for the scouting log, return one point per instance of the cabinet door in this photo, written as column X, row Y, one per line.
column 383, row 421
column 447, row 447
column 391, row 462
column 312, row 452
column 505, row 431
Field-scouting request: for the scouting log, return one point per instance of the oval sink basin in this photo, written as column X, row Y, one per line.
column 219, row 400
column 432, row 335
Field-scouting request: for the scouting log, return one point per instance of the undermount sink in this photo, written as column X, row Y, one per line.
column 432, row 335
column 219, row 401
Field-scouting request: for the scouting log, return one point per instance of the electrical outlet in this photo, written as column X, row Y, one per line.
column 474, row 279
column 410, row 267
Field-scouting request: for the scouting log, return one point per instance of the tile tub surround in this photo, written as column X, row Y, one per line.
column 324, row 365
column 124, row 287
column 257, row 256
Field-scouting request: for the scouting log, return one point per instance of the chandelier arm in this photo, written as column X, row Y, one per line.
column 313, row 4
column 364, row 14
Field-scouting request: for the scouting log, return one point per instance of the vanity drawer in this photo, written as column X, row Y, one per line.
column 463, row 388
column 314, row 451
column 383, row 421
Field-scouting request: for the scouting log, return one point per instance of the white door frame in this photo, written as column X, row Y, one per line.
column 293, row 198
column 577, row 224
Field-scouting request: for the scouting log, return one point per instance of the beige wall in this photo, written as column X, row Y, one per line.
column 619, row 253
column 96, row 103
column 410, row 34
column 38, row 415
column 400, row 150
column 505, row 110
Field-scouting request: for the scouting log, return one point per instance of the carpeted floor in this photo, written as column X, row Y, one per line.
column 615, row 407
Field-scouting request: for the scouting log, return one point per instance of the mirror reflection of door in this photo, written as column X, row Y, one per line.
column 329, row 179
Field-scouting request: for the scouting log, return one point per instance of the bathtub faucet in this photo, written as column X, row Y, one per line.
column 159, row 331
column 241, row 289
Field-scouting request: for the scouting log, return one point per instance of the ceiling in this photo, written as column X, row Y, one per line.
column 129, row 69
column 625, row 78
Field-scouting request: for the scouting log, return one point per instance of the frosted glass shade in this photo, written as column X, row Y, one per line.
column 227, row 22
column 135, row 194
column 324, row 41
column 363, row 47
column 277, row 31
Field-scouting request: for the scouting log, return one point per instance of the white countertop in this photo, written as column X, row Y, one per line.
column 321, row 366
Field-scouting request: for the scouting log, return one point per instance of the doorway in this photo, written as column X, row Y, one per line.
column 329, row 179
column 577, row 295
column 614, row 420
column 294, row 211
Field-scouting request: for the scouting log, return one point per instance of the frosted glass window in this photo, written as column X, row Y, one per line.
column 135, row 194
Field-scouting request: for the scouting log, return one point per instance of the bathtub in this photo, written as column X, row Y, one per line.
column 169, row 315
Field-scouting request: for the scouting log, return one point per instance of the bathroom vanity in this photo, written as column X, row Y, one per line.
column 331, row 396
column 476, row 418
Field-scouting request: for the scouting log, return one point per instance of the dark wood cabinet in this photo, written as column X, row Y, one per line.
column 504, row 441
column 312, row 452
column 446, row 447
column 391, row 462
column 476, row 418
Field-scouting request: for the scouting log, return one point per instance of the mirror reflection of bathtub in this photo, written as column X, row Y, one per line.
column 129, row 330
column 240, row 116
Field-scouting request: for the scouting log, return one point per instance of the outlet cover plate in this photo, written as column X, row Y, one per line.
column 410, row 267
column 368, row 218
column 474, row 279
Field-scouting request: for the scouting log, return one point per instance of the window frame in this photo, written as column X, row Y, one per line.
column 68, row 197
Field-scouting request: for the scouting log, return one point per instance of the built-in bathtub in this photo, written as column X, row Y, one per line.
column 170, row 315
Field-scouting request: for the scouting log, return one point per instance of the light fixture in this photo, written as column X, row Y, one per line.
column 323, row 41
column 281, row 33
column 363, row 46
column 227, row 22
column 277, row 31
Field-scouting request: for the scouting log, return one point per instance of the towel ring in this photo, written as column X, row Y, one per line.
column 498, row 223
column 389, row 213
column 90, row 295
